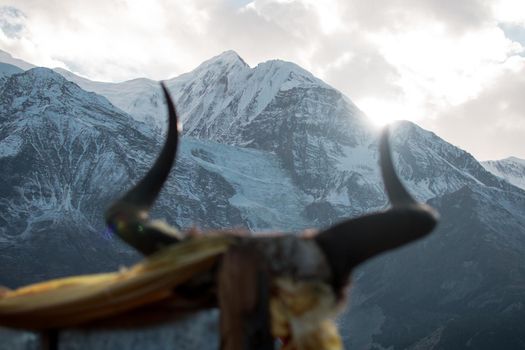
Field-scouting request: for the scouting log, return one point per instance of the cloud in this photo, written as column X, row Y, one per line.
column 12, row 22
column 515, row 33
column 456, row 16
column 491, row 125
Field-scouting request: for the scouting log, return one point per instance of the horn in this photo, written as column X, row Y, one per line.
column 129, row 216
column 351, row 242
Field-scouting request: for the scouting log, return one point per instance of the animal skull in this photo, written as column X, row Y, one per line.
column 280, row 286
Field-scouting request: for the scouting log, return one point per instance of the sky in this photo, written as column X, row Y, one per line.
column 454, row 67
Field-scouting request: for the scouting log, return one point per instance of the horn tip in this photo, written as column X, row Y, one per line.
column 172, row 111
column 427, row 218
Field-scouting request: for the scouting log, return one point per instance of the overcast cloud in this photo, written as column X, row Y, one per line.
column 455, row 67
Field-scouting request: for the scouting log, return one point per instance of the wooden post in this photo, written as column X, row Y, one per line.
column 244, row 301
column 49, row 339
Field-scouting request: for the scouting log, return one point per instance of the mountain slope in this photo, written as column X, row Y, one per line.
column 511, row 169
column 463, row 287
column 55, row 164
column 8, row 69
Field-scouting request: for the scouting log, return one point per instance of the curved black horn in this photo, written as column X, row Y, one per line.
column 351, row 242
column 128, row 217
column 396, row 192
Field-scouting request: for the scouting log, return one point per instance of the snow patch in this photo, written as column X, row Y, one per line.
column 511, row 169
column 10, row 146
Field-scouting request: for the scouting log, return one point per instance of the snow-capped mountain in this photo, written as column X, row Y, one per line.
column 140, row 98
column 137, row 97
column 55, row 159
column 278, row 104
column 511, row 169
column 265, row 148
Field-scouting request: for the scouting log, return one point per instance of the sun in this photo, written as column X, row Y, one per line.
column 383, row 111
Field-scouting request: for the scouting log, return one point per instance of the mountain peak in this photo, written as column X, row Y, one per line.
column 228, row 58
column 40, row 75
column 231, row 55
column 512, row 169
column 285, row 65
column 515, row 160
column 510, row 159
column 44, row 84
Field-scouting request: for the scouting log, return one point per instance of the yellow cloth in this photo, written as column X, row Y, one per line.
column 76, row 300
column 301, row 315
